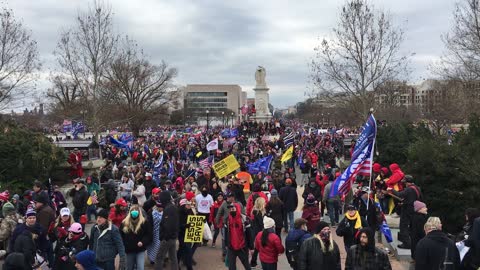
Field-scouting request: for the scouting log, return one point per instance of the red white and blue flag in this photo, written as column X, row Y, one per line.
column 205, row 163
column 362, row 158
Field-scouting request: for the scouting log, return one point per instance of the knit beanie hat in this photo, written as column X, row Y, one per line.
column 30, row 212
column 87, row 259
column 8, row 209
column 268, row 222
column 320, row 226
column 165, row 197
column 103, row 213
column 274, row 193
column 310, row 200
column 417, row 205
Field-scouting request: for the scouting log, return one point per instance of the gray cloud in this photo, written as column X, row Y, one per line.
column 223, row 41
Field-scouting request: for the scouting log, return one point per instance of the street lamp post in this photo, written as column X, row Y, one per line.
column 232, row 119
column 83, row 112
column 223, row 118
column 207, row 118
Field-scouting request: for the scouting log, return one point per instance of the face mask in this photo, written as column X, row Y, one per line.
column 325, row 235
column 233, row 213
column 134, row 214
column 205, row 193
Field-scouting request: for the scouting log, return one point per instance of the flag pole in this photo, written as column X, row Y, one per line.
column 371, row 160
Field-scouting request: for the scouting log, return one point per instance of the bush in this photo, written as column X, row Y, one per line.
column 25, row 156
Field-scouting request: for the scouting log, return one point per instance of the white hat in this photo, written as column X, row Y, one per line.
column 64, row 212
column 148, row 174
column 268, row 222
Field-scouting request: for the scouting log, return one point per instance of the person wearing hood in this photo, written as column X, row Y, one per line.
column 235, row 239
column 76, row 241
column 15, row 261
column 269, row 245
column 397, row 175
column 319, row 251
column 136, row 234
column 169, row 228
column 436, row 250
column 311, row 213
column 349, row 227
column 366, row 255
column 106, row 242
column 85, row 260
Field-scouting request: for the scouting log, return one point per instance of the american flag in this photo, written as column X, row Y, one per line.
column 205, row 163
column 362, row 169
column 289, row 139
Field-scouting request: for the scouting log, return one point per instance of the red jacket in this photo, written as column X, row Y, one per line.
column 116, row 219
column 250, row 202
column 396, row 177
column 213, row 213
column 270, row 252
column 312, row 215
column 236, row 235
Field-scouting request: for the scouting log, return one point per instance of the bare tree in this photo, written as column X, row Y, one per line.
column 138, row 86
column 462, row 57
column 84, row 53
column 64, row 93
column 18, row 58
column 363, row 54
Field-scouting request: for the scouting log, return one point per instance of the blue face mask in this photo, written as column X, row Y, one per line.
column 134, row 214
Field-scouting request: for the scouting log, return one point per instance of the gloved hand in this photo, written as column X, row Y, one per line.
column 123, row 263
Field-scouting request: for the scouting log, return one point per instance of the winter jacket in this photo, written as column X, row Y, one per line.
column 396, row 177
column 131, row 239
column 65, row 246
column 41, row 243
column 92, row 187
column 116, row 218
column 288, row 195
column 24, row 244
column 326, row 194
column 7, row 226
column 183, row 214
column 223, row 212
column 251, row 202
column 270, row 252
column 213, row 213
column 370, row 214
column 416, row 231
column 139, row 193
column 169, row 225
column 235, row 231
column 45, row 216
column 276, row 212
column 372, row 260
column 409, row 195
column 311, row 256
column 346, row 228
column 312, row 215
column 313, row 188
column 472, row 258
column 434, row 250
column 15, row 261
column 257, row 222
column 107, row 243
column 79, row 199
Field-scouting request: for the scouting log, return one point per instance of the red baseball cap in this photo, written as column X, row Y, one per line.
column 156, row 190
column 121, row 202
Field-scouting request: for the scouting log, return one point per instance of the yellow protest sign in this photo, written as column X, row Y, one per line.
column 194, row 231
column 225, row 166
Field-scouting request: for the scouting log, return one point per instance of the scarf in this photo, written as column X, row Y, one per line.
column 358, row 222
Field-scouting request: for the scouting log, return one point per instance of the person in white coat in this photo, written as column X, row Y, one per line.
column 139, row 193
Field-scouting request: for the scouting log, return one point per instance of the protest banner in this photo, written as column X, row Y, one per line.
column 225, row 166
column 194, row 231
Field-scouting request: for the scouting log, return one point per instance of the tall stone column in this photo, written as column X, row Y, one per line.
column 262, row 98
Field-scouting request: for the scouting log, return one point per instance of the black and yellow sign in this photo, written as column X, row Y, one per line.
column 194, row 231
column 225, row 166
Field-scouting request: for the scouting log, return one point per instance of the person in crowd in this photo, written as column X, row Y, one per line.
column 213, row 213
column 311, row 213
column 76, row 241
column 214, row 188
column 409, row 195
column 39, row 188
column 85, row 260
column 93, row 190
column 185, row 251
column 58, row 199
column 436, row 250
column 59, row 229
column 256, row 192
column 126, row 187
column 269, row 245
column 204, row 201
column 319, row 251
column 276, row 210
column 313, row 188
column 258, row 213
column 350, row 225
column 294, row 241
column 155, row 215
column 288, row 195
column 27, row 199
column 19, row 205
column 79, row 196
column 418, row 222
column 169, row 228
column 366, row 208
column 7, row 224
column 333, row 203
column 136, row 234
column 45, row 214
column 365, row 255
column 16, row 261
column 139, row 193
column 106, row 242
column 471, row 239
column 75, row 161
column 223, row 215
column 110, row 193
column 149, row 185
column 118, row 212
column 151, row 202
column 235, row 238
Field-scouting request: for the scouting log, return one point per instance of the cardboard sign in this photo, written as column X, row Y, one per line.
column 225, row 166
column 194, row 231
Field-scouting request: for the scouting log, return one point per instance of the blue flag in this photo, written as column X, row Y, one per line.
column 361, row 159
column 171, row 170
column 261, row 165
column 234, row 132
column 122, row 144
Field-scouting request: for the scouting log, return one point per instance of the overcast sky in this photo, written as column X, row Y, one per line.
column 222, row 42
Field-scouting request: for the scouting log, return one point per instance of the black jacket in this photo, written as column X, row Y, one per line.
column 149, row 204
column 257, row 222
column 289, row 197
column 24, row 244
column 369, row 215
column 367, row 260
column 416, row 230
column 409, row 196
column 130, row 239
column 312, row 257
column 183, row 214
column 313, row 188
column 79, row 199
column 434, row 250
column 63, row 249
column 15, row 261
column 169, row 225
column 346, row 228
column 276, row 212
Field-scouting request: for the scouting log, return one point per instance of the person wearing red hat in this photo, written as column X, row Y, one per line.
column 118, row 212
column 150, row 203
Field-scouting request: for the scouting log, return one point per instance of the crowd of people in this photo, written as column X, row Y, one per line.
column 140, row 201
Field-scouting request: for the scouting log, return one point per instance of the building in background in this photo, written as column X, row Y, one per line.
column 217, row 103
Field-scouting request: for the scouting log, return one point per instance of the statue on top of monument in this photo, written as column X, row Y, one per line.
column 260, row 74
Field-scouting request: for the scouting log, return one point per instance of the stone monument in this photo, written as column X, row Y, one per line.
column 261, row 96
